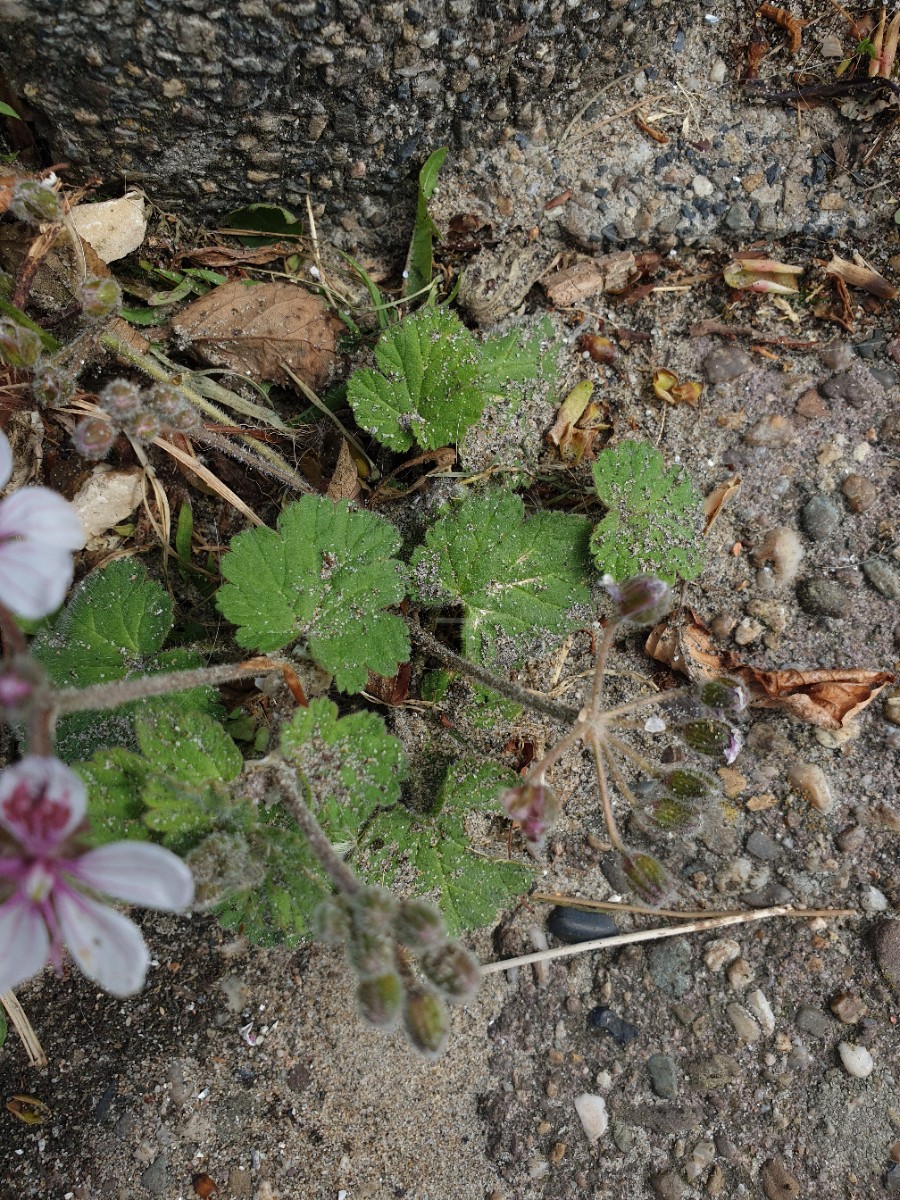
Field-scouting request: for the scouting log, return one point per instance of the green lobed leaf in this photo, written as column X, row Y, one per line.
column 426, row 385
column 515, row 577
column 270, row 219
column 113, row 628
column 325, row 578
column 431, row 854
column 653, row 523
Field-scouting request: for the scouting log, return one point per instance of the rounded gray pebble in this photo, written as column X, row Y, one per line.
column 824, row 598
column 726, row 363
column 883, row 577
column 814, row 1022
column 849, row 386
column 667, row 1186
column 761, row 846
column 887, row 951
column 820, row 517
column 765, row 897
column 662, row 1075
column 669, row 964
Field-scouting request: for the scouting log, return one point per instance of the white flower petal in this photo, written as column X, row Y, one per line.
column 107, row 947
column 40, row 515
column 24, row 942
column 6, row 460
column 33, row 580
column 41, row 801
column 139, row 873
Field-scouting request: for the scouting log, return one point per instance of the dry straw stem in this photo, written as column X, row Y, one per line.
column 23, row 1027
column 651, row 935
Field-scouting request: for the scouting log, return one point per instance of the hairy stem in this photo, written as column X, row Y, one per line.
column 606, row 642
column 541, row 704
column 293, row 796
column 642, row 764
column 608, row 815
column 659, row 699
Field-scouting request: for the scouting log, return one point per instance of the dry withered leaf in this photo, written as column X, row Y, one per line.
column 829, row 699
column 392, row 691
column 717, row 499
column 667, row 388
column 861, row 276
column 575, row 429
column 442, row 459
column 793, row 25
column 590, row 276
column 344, row 482
column 231, row 256
column 257, row 328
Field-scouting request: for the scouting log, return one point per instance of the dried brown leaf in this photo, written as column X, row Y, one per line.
column 344, row 483
column 610, row 273
column 230, row 256
column 717, row 499
column 255, row 329
column 829, row 699
column 861, row 276
column 576, row 427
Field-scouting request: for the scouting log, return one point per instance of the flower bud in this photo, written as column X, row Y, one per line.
column 35, row 200
column 145, row 426
column 99, row 296
column 121, row 399
column 712, row 738
column 373, row 909
column 370, row 954
column 93, row 437
column 20, row 348
column 427, row 1022
column 419, row 926
column 724, row 697
column 380, row 999
column 52, row 385
column 688, row 783
column 648, row 877
column 453, row 971
column 643, row 599
column 174, row 410
column 330, row 923
column 534, row 806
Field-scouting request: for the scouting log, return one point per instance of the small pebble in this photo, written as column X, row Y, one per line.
column 720, row 952
column 883, row 577
column 572, row 925
column 874, row 900
column 669, row 964
column 734, row 876
column 765, row 897
column 700, row 1158
column 667, row 1186
column 813, row 1021
column 857, row 1060
column 744, row 1026
column 823, row 597
column 859, row 492
column 775, row 430
column 623, row 1136
column 892, row 1181
column 778, row 1182
column 762, row 1010
column 848, row 1008
column 621, row 1031
column 851, row 839
column 726, row 363
column 592, row 1113
column 811, row 405
column 890, row 428
column 747, row 631
column 837, row 356
column 853, row 387
column 716, row 1181
column 740, row 974
column 712, row 1072
column 662, row 1076
column 812, row 784
column 820, row 517
column 761, row 846
column 781, row 547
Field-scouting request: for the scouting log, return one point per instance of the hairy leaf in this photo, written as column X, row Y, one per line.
column 654, row 519
column 431, row 854
column 515, row 577
column 324, row 578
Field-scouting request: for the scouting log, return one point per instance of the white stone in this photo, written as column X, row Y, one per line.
column 702, row 186
column 592, row 1113
column 112, row 228
column 720, row 952
column 718, row 71
column 761, row 1009
column 106, row 498
column 874, row 900
column 856, row 1059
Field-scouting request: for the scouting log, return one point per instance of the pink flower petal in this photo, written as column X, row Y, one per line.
column 41, row 802
column 6, row 460
column 139, row 873
column 37, row 514
column 24, row 942
column 107, row 947
column 33, row 580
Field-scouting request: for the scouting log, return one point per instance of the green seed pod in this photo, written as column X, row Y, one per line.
column 52, row 385
column 380, row 999
column 121, row 399
column 648, row 877
column 35, row 200
column 99, row 297
column 453, row 971
column 419, row 925
column 93, row 437
column 20, row 348
column 427, row 1021
column 371, row 954
column 330, row 923
column 689, row 783
column 724, row 697
column 373, row 910
column 707, row 737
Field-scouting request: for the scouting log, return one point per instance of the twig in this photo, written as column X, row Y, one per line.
column 596, row 96
column 559, row 712
column 689, row 914
column 23, row 1027
column 293, row 784
column 644, row 935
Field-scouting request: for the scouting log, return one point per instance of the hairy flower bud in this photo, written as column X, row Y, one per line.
column 453, row 970
column 121, row 399
column 373, row 909
column 724, row 697
column 380, row 999
column 145, row 426
column 643, row 599
column 648, row 877
column 52, row 385
column 99, row 296
column 93, row 437
column 371, row 954
column 330, row 923
column 35, row 200
column 20, row 348
column 174, row 410
column 427, row 1021
column 712, row 738
column 419, row 926
column 534, row 806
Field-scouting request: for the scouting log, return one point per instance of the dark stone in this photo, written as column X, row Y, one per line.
column 814, row 1022
column 669, row 963
column 667, row 1186
column 824, row 598
column 621, row 1031
column 770, row 894
column 761, row 846
column 852, row 387
column 662, row 1075
column 886, row 944
column 820, row 517
column 155, row 1177
column 572, row 925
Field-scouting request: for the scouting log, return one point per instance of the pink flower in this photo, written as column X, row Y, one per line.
column 535, row 807
column 38, row 533
column 48, row 884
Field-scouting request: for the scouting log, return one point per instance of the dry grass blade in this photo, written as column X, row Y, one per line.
column 23, row 1027
column 211, row 480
